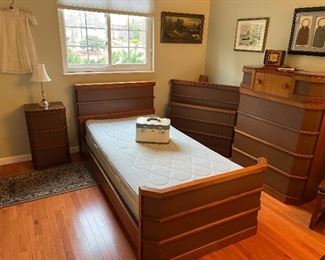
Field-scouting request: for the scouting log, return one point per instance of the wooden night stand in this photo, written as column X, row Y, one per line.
column 48, row 136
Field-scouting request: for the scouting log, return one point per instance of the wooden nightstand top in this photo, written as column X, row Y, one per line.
column 36, row 108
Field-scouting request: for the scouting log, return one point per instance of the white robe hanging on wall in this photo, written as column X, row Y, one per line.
column 17, row 48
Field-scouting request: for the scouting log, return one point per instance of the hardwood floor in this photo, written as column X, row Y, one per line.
column 81, row 225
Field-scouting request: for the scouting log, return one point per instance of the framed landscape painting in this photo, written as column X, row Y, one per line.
column 308, row 31
column 251, row 34
column 181, row 28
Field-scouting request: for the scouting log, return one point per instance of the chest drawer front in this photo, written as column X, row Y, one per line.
column 297, row 118
column 293, row 188
column 273, row 84
column 46, row 120
column 284, row 161
column 285, row 138
column 48, row 138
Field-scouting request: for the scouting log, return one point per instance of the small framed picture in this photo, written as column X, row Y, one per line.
column 274, row 58
column 251, row 34
column 181, row 28
column 308, row 32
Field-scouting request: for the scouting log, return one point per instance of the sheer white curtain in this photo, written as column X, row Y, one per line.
column 136, row 7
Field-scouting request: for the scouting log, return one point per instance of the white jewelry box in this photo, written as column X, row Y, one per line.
column 152, row 130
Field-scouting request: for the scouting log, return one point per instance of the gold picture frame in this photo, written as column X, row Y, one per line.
column 181, row 28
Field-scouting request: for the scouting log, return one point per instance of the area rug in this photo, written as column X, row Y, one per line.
column 44, row 183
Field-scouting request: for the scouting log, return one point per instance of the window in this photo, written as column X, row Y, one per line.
column 98, row 42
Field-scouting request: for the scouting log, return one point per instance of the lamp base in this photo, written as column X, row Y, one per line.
column 44, row 103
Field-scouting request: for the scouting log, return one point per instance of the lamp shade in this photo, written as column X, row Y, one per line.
column 39, row 74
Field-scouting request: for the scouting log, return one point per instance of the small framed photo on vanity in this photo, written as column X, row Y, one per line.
column 274, row 58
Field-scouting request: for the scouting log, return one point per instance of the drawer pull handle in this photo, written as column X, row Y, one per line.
column 286, row 86
column 259, row 81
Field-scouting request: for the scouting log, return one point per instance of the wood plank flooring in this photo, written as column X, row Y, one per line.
column 81, row 225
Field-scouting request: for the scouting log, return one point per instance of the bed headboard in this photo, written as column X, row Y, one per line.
column 112, row 100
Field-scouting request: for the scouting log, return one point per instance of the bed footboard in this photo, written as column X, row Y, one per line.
column 195, row 218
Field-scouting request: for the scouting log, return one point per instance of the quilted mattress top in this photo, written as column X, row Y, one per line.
column 154, row 165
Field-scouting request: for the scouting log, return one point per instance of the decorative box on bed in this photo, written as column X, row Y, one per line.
column 152, row 129
column 182, row 219
column 206, row 112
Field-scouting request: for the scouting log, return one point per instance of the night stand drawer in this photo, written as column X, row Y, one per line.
column 46, row 120
column 48, row 138
column 43, row 158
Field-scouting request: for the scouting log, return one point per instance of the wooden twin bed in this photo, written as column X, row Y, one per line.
column 183, row 221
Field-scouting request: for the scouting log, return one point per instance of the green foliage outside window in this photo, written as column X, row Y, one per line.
column 97, row 45
column 75, row 58
column 123, row 57
column 94, row 43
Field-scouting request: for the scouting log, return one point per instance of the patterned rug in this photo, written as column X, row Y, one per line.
column 44, row 183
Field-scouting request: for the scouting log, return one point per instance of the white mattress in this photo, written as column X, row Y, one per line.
column 130, row 165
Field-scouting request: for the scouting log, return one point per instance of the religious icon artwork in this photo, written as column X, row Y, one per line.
column 308, row 32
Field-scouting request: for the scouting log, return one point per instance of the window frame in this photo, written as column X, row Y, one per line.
column 106, row 68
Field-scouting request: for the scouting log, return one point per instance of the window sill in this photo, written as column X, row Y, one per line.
column 106, row 72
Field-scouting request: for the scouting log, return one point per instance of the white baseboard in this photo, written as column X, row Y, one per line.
column 28, row 157
column 15, row 159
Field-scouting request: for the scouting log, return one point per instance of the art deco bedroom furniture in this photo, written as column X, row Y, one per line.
column 281, row 117
column 185, row 220
column 48, row 135
column 206, row 112
column 320, row 206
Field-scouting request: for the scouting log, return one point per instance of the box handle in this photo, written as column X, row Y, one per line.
column 154, row 119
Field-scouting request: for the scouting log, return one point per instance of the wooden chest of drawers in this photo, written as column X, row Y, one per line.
column 48, row 135
column 281, row 117
column 206, row 112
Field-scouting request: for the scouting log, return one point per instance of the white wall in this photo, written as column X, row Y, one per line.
column 178, row 61
column 224, row 65
column 182, row 61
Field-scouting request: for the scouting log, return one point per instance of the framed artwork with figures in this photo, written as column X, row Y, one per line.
column 308, row 32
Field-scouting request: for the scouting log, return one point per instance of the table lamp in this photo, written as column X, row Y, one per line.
column 40, row 75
